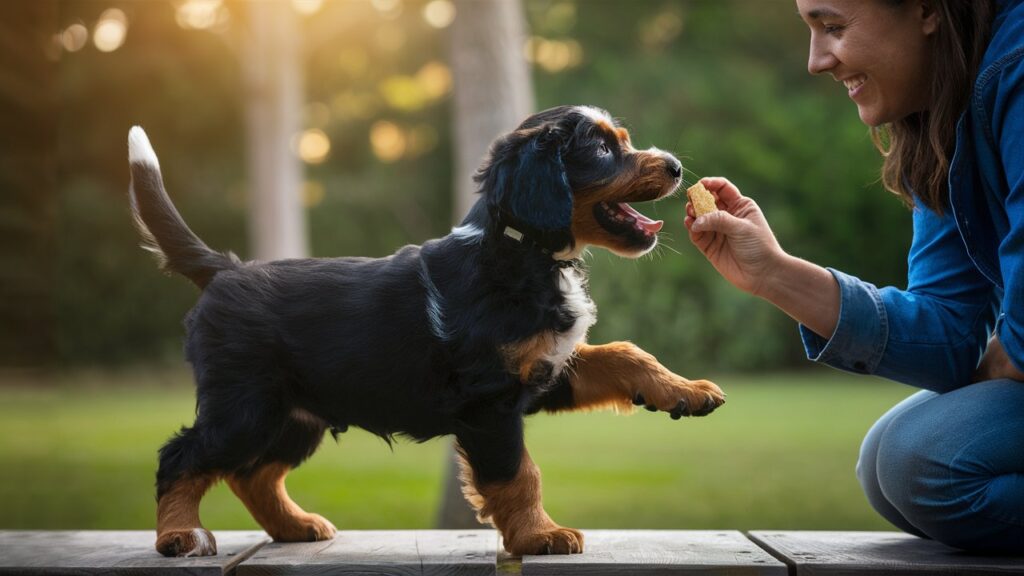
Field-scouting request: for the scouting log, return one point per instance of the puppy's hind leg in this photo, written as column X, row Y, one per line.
column 179, row 489
column 262, row 489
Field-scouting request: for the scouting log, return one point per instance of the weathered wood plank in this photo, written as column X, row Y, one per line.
column 380, row 552
column 657, row 552
column 115, row 553
column 877, row 553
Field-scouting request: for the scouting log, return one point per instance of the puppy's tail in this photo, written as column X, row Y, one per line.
column 163, row 231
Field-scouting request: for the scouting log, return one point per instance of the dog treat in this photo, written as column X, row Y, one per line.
column 702, row 200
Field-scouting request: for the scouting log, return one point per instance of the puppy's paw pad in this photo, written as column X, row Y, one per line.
column 187, row 542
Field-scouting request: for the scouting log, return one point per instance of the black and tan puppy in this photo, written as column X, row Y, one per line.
column 463, row 335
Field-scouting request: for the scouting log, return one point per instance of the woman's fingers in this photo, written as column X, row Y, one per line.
column 724, row 190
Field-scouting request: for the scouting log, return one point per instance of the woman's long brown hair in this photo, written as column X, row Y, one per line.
column 918, row 149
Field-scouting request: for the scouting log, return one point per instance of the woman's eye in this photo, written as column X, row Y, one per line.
column 833, row 29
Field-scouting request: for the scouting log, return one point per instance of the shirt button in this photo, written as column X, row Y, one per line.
column 860, row 366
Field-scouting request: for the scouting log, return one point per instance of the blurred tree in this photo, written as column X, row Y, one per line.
column 493, row 94
column 28, row 178
column 272, row 67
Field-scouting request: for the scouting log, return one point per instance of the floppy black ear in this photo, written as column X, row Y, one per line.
column 525, row 183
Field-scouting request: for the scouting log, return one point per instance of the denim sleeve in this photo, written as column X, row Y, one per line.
column 1008, row 129
column 930, row 335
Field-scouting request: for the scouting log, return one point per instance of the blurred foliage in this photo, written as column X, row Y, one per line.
column 722, row 83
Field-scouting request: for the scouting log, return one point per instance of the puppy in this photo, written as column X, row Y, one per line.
column 463, row 335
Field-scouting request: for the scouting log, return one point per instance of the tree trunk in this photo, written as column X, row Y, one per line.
column 492, row 90
column 492, row 94
column 272, row 69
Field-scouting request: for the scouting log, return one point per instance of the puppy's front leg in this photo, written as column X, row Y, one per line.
column 621, row 374
column 502, row 484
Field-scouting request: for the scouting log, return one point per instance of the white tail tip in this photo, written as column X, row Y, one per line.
column 139, row 148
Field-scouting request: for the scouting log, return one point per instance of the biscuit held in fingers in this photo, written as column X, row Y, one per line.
column 702, row 200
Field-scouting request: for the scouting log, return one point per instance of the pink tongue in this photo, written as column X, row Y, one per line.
column 646, row 223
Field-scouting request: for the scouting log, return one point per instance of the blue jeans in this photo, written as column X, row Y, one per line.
column 950, row 467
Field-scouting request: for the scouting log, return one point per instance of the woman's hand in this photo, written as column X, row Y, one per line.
column 736, row 239
column 739, row 244
column 995, row 364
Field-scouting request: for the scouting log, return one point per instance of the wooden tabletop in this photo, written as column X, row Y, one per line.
column 478, row 552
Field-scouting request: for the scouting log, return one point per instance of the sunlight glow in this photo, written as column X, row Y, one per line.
column 387, row 140
column 74, row 37
column 435, row 78
column 307, row 7
column 439, row 13
column 553, row 55
column 410, row 93
column 662, row 30
column 312, row 146
column 389, row 9
column 110, row 31
column 201, row 14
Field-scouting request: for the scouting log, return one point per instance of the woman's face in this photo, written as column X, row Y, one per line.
column 880, row 53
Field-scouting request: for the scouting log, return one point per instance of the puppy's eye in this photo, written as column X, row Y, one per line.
column 603, row 150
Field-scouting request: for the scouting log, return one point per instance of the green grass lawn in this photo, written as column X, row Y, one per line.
column 81, row 453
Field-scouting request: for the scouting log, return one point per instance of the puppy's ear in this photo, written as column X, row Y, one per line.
column 525, row 183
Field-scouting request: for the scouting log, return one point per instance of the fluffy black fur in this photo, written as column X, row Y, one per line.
column 357, row 342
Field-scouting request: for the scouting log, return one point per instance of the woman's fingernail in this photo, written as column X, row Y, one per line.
column 698, row 224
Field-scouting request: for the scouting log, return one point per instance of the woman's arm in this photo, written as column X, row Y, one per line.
column 930, row 335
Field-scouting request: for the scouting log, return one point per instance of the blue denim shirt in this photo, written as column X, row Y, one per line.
column 966, row 267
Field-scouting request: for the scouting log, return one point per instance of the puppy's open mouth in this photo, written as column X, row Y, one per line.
column 622, row 219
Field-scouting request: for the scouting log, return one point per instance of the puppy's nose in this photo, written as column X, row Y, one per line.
column 675, row 168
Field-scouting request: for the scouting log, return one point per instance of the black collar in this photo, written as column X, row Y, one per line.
column 519, row 236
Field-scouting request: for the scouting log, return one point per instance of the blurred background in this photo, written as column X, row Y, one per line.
column 352, row 127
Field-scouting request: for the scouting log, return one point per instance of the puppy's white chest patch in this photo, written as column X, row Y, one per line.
column 573, row 288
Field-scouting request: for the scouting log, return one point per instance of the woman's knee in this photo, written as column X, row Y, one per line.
column 867, row 464
column 934, row 465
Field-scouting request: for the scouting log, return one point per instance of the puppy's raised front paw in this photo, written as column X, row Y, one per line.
column 681, row 397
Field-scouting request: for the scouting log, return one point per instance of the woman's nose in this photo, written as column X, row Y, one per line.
column 820, row 58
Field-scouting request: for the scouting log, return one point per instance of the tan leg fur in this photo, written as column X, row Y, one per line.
column 179, row 532
column 612, row 375
column 516, row 510
column 264, row 495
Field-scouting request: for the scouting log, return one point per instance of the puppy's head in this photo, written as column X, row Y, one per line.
column 565, row 178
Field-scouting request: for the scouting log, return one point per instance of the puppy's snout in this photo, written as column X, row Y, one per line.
column 674, row 167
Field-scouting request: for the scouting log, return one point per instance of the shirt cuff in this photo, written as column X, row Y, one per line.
column 859, row 340
column 1011, row 342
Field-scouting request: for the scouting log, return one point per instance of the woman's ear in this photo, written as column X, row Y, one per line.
column 929, row 18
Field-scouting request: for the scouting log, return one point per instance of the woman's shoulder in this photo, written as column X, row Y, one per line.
column 1007, row 44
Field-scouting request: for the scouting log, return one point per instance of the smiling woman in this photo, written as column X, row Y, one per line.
column 908, row 67
column 941, row 83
